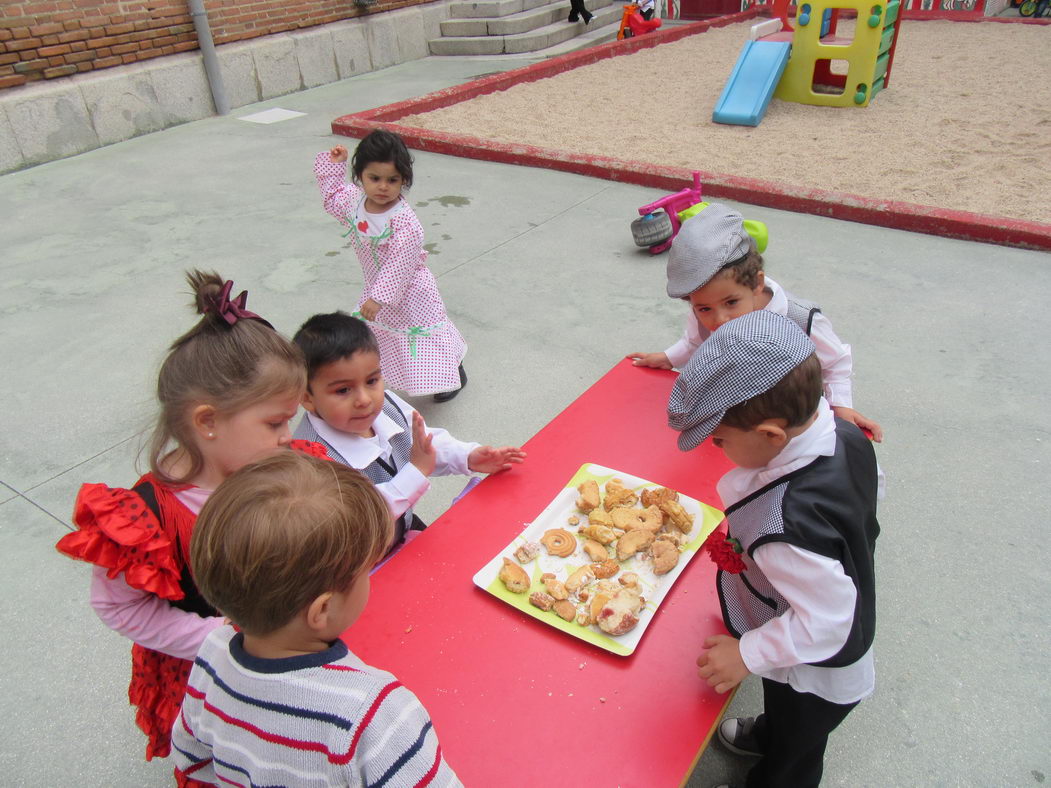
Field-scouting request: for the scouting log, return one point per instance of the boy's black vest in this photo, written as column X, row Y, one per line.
column 828, row 508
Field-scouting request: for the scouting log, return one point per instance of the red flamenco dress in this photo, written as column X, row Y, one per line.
column 144, row 534
column 150, row 545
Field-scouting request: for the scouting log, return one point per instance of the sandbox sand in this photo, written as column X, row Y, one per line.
column 964, row 125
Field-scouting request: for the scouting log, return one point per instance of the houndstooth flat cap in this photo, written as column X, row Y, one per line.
column 705, row 243
column 745, row 357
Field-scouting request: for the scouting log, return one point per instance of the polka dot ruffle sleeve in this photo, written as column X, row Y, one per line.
column 118, row 532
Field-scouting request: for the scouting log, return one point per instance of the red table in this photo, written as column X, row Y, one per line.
column 514, row 701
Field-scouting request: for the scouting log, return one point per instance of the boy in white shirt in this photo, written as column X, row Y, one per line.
column 366, row 427
column 714, row 264
column 798, row 590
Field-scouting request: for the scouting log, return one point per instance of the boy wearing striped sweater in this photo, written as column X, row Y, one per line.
column 283, row 548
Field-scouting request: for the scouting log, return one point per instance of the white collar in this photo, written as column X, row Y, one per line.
column 817, row 440
column 359, row 452
column 778, row 300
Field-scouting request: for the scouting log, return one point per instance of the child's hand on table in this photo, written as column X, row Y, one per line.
column 370, row 309
column 488, row 459
column 338, row 154
column 721, row 665
column 851, row 415
column 422, row 453
column 655, row 360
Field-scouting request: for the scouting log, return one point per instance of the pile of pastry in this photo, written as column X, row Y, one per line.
column 611, row 529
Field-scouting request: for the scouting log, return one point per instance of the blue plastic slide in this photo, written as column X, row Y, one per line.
column 751, row 84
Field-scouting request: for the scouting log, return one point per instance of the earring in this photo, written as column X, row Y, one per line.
column 211, row 434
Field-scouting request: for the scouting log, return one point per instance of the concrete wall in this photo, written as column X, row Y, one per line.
column 50, row 120
column 47, row 40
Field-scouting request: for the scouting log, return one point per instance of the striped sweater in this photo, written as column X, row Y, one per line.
column 324, row 719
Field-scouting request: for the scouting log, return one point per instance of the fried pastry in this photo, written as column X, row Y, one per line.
column 621, row 613
column 665, row 556
column 629, row 579
column 595, row 551
column 604, row 569
column 626, row 519
column 565, row 609
column 541, row 600
column 555, row 587
column 600, row 517
column 599, row 533
column 652, row 517
column 579, row 578
column 589, row 497
column 527, row 552
column 618, row 495
column 597, row 603
column 559, row 541
column 672, row 534
column 514, row 577
column 632, row 542
column 656, row 497
column 678, row 516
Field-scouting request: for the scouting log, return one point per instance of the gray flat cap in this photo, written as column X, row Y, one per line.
column 705, row 243
column 745, row 357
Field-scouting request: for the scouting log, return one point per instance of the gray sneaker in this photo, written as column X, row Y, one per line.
column 737, row 735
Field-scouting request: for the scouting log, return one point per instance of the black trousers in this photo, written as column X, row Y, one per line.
column 793, row 731
column 576, row 7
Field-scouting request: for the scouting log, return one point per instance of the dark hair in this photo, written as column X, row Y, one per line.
column 793, row 398
column 382, row 146
column 230, row 367
column 325, row 339
column 745, row 270
column 280, row 532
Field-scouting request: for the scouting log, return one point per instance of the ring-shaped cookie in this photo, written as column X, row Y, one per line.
column 559, row 541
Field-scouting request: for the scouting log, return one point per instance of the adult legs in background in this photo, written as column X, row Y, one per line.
column 578, row 10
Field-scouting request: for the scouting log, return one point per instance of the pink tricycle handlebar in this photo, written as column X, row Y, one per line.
column 673, row 203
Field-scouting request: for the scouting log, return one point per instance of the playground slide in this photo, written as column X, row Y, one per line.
column 751, row 84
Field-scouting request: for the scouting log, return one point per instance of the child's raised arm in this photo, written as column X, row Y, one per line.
column 337, row 195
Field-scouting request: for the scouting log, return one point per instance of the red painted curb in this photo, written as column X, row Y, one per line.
column 837, row 205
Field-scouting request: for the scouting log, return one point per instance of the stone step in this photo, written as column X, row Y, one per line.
column 521, row 22
column 491, row 8
column 548, row 34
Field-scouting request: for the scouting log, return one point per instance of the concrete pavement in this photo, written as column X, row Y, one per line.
column 540, row 274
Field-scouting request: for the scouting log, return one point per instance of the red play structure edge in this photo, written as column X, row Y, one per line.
column 837, row 205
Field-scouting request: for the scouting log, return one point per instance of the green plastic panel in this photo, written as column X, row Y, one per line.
column 892, row 13
column 877, row 86
column 887, row 40
column 881, row 67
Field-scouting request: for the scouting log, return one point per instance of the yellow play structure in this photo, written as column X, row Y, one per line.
column 815, row 46
column 806, row 65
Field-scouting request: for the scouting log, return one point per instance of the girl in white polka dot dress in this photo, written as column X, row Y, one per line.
column 421, row 352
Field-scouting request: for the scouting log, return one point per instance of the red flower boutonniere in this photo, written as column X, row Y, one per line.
column 310, row 448
column 725, row 551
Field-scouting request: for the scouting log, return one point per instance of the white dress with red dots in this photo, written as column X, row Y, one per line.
column 420, row 348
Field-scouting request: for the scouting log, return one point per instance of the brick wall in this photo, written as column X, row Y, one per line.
column 45, row 39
